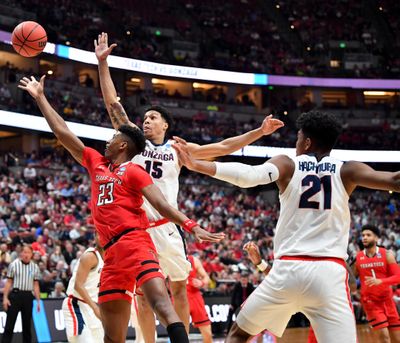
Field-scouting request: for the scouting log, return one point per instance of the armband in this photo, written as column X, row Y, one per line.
column 188, row 225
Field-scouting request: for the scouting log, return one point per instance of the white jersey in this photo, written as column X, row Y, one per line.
column 92, row 281
column 314, row 216
column 161, row 162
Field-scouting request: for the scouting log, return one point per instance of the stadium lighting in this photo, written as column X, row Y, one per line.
column 342, row 45
column 50, row 72
column 67, row 42
column 196, row 85
column 135, row 80
column 277, row 6
column 155, row 81
column 158, row 33
column 128, row 32
column 378, row 93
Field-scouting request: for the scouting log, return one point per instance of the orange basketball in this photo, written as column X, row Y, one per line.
column 29, row 39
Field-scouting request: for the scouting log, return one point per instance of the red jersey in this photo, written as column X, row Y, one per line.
column 378, row 264
column 192, row 275
column 116, row 196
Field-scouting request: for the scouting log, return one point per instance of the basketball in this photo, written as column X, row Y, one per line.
column 29, row 39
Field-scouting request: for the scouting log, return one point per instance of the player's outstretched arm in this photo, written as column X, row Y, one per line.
column 57, row 124
column 114, row 108
column 356, row 174
column 238, row 174
column 153, row 194
column 230, row 145
column 88, row 261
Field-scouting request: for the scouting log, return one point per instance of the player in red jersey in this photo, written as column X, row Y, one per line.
column 198, row 278
column 378, row 271
column 118, row 187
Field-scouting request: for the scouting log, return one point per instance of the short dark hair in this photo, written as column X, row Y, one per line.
column 165, row 114
column 372, row 228
column 136, row 137
column 323, row 128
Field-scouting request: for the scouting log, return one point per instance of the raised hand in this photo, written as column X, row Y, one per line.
column 270, row 125
column 203, row 235
column 32, row 86
column 101, row 48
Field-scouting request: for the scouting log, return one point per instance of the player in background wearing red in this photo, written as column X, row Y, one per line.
column 165, row 173
column 378, row 272
column 198, row 279
column 117, row 191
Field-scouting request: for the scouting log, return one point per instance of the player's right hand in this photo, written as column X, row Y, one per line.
column 101, row 48
column 32, row 86
column 6, row 304
column 203, row 235
column 183, row 155
column 254, row 252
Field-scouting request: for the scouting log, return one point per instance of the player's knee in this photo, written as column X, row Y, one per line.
column 236, row 334
column 162, row 307
column 178, row 290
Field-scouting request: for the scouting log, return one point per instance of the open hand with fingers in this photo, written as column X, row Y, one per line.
column 101, row 48
column 270, row 125
column 203, row 235
column 183, row 154
column 32, row 86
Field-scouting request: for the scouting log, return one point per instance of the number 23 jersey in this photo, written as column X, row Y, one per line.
column 314, row 216
column 161, row 162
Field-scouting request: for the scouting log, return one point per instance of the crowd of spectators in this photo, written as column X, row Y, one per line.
column 45, row 201
column 258, row 42
column 81, row 104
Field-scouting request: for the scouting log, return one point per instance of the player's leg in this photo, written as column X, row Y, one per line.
column 157, row 296
column 270, row 306
column 181, row 304
column 205, row 331
column 394, row 336
column 115, row 317
column 237, row 335
column 170, row 245
column 326, row 302
column 146, row 319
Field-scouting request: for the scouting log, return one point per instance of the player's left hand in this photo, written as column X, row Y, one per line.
column 254, row 252
column 101, row 48
column 184, row 157
column 270, row 125
column 32, row 86
column 203, row 235
column 371, row 281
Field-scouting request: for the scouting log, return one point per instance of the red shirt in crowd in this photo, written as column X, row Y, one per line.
column 116, row 196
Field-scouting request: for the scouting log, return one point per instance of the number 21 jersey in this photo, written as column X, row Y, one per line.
column 314, row 216
column 161, row 162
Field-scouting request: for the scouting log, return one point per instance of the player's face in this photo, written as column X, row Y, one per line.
column 302, row 143
column 369, row 239
column 113, row 146
column 154, row 125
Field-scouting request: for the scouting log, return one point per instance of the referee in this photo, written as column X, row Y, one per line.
column 22, row 279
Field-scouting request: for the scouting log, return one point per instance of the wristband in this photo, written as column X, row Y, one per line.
column 188, row 225
column 262, row 266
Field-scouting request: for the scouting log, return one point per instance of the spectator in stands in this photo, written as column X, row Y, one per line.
column 59, row 291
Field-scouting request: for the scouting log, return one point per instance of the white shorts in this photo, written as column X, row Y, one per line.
column 171, row 251
column 80, row 322
column 318, row 289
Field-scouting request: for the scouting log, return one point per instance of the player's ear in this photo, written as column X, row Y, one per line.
column 165, row 126
column 307, row 143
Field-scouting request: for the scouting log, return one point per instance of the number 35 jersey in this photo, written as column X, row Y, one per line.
column 161, row 162
column 314, row 216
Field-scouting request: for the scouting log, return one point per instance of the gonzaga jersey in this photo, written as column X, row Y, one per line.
column 375, row 266
column 92, row 281
column 314, row 216
column 161, row 162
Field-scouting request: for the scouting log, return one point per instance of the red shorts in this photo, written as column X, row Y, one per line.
column 381, row 313
column 197, row 310
column 129, row 262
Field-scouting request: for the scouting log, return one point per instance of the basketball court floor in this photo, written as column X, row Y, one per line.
column 293, row 335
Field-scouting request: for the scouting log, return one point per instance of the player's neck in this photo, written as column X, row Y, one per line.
column 370, row 251
column 157, row 140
